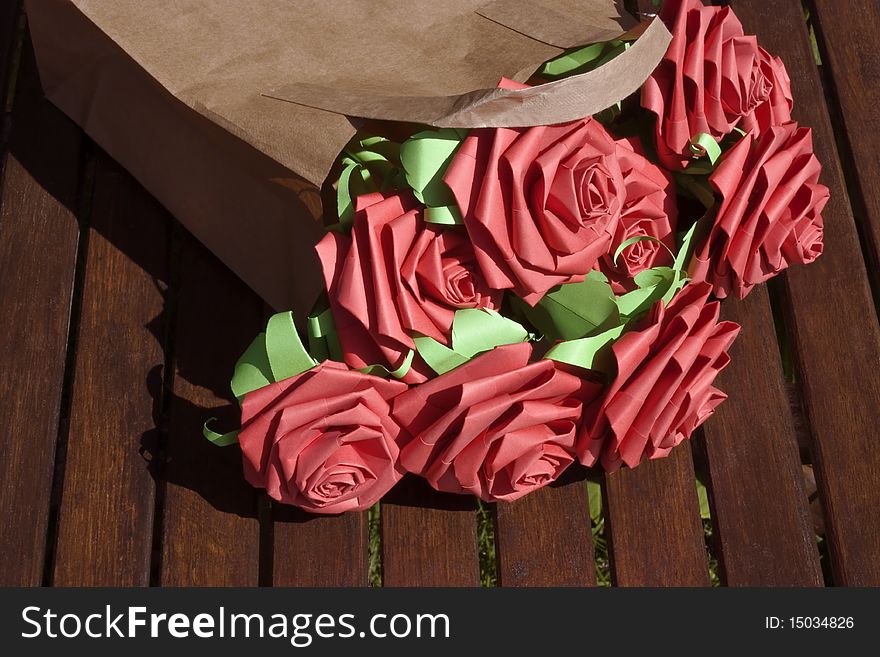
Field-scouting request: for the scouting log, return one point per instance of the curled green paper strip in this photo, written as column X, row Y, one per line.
column 635, row 240
column 384, row 372
column 424, row 158
column 220, row 439
column 474, row 330
column 370, row 164
column 583, row 59
column 323, row 341
column 704, row 144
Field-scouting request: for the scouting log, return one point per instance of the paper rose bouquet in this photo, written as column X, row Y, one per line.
column 503, row 303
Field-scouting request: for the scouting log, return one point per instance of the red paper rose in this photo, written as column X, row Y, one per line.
column 648, row 211
column 770, row 211
column 541, row 204
column 663, row 389
column 712, row 78
column 397, row 275
column 322, row 440
column 498, row 426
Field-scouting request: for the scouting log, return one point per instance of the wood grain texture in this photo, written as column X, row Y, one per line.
column 833, row 324
column 210, row 531
column 544, row 538
column 428, row 538
column 38, row 244
column 653, row 521
column 106, row 516
column 760, row 509
column 312, row 550
column 849, row 31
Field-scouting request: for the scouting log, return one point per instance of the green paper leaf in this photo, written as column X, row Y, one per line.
column 686, row 249
column 591, row 353
column 447, row 215
column 252, row 371
column 424, row 158
column 438, row 356
column 284, row 348
column 574, row 310
column 474, row 331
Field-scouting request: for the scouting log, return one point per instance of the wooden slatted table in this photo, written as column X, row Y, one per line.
column 107, row 378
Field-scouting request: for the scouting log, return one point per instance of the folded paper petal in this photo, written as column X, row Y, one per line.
column 322, row 440
column 649, row 211
column 497, row 427
column 663, row 389
column 770, row 211
column 541, row 205
column 397, row 276
column 712, row 79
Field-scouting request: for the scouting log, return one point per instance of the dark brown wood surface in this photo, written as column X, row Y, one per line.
column 210, row 525
column 833, row 323
column 544, row 539
column 653, row 516
column 110, row 370
column 39, row 233
column 320, row 551
column 848, row 39
column 759, row 509
column 428, row 538
column 105, row 527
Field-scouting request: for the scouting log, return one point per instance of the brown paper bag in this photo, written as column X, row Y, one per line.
column 232, row 113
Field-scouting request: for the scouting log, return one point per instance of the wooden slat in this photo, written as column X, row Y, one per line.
column 760, row 510
column 656, row 536
column 211, row 535
column 544, row 538
column 38, row 244
column 849, row 31
column 320, row 550
column 428, row 538
column 653, row 518
column 10, row 11
column 106, row 516
column 835, row 330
